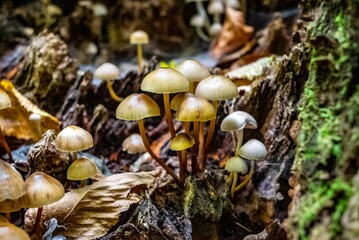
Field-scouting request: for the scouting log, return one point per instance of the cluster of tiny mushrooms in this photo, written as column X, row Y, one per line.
column 195, row 103
column 201, row 21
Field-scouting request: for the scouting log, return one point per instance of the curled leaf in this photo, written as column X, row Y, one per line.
column 90, row 212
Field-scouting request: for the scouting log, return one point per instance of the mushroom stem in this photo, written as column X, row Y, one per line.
column 233, row 188
column 37, row 221
column 187, row 126
column 195, row 148
column 246, row 179
column 201, row 157
column 166, row 102
column 201, row 34
column 112, row 92
column 8, row 216
column 82, row 183
column 191, row 87
column 239, row 141
column 6, row 146
column 183, row 166
column 152, row 154
column 230, row 179
column 139, row 57
column 217, row 18
column 211, row 128
column 74, row 156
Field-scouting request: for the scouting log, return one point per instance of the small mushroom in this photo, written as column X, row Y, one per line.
column 176, row 103
column 165, row 81
column 109, row 72
column 81, row 169
column 133, row 144
column 137, row 107
column 5, row 103
column 41, row 190
column 252, row 150
column 216, row 8
column 181, row 143
column 215, row 29
column 73, row 139
column 9, row 231
column 194, row 71
column 198, row 22
column 139, row 37
column 235, row 165
column 237, row 121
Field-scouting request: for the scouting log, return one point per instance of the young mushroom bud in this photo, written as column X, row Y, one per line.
column 133, row 144
column 235, row 165
column 109, row 72
column 73, row 139
column 139, row 38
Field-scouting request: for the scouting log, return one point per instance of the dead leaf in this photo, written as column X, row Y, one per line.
column 234, row 35
column 14, row 120
column 273, row 231
column 90, row 212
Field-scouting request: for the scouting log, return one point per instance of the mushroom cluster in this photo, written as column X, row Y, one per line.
column 195, row 103
column 252, row 150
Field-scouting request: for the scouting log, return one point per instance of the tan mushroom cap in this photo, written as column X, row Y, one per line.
column 5, row 101
column 237, row 121
column 216, row 87
column 137, row 106
column 41, row 190
column 107, row 71
column 182, row 141
column 236, row 164
column 133, row 144
column 195, row 109
column 10, row 206
column 73, row 139
column 193, row 70
column 139, row 37
column 80, row 169
column 12, row 184
column 165, row 80
column 178, row 99
column 253, row 150
column 3, row 219
column 9, row 231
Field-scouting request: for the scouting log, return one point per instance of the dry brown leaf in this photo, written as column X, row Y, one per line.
column 90, row 212
column 15, row 122
column 234, row 35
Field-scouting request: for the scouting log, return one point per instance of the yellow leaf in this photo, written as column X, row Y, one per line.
column 14, row 120
column 90, row 212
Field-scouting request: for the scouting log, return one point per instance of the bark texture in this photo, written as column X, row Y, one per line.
column 325, row 202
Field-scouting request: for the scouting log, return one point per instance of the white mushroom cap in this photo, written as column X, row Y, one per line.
column 215, row 29
column 216, row 87
column 107, row 71
column 215, row 7
column 236, row 164
column 73, row 139
column 133, row 144
column 233, row 4
column 237, row 121
column 34, row 117
column 193, row 70
column 139, row 37
column 4, row 100
column 253, row 150
column 197, row 21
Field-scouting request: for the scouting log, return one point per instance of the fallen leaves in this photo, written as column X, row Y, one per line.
column 90, row 212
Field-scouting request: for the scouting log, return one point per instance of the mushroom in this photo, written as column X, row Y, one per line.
column 176, row 103
column 36, row 120
column 237, row 121
column 8, row 206
column 198, row 22
column 137, row 107
column 9, row 231
column 235, row 165
column 252, row 150
column 5, row 103
column 81, row 169
column 41, row 190
column 194, row 71
column 197, row 110
column 165, row 81
column 139, row 37
column 73, row 139
column 109, row 72
column 215, row 29
column 180, row 143
column 133, row 144
column 215, row 88
column 13, row 187
column 216, row 8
